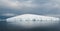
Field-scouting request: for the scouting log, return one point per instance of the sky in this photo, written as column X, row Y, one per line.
column 18, row 7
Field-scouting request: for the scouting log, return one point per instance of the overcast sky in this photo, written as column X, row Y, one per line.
column 17, row 7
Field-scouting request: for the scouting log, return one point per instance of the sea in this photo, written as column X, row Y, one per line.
column 5, row 26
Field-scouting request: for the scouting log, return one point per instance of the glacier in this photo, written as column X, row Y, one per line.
column 32, row 20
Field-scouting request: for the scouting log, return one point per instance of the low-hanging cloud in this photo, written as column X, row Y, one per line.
column 9, row 14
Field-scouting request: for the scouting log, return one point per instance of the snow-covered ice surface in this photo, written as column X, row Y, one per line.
column 31, row 20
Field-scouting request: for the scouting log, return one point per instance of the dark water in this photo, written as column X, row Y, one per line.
column 4, row 26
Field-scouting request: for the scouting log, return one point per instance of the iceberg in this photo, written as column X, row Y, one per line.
column 32, row 20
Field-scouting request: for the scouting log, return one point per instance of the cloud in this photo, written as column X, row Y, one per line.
column 29, row 4
column 26, row 4
column 9, row 14
column 17, row 4
column 32, row 6
column 2, row 19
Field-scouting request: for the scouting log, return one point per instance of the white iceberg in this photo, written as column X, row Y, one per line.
column 32, row 20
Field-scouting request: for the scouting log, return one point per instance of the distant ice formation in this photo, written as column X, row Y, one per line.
column 31, row 20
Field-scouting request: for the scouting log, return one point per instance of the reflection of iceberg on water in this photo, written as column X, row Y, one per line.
column 31, row 20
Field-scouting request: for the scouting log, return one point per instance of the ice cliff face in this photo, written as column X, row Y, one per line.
column 31, row 20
